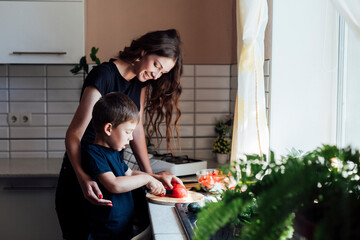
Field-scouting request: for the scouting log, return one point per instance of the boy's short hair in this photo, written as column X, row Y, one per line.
column 115, row 108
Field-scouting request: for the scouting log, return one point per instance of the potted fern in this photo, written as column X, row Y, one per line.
column 314, row 195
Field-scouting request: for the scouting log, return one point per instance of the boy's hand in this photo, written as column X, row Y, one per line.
column 155, row 186
column 167, row 178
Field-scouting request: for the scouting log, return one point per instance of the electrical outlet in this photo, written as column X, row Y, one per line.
column 13, row 119
column 25, row 118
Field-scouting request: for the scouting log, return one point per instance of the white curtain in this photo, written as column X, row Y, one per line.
column 350, row 11
column 250, row 129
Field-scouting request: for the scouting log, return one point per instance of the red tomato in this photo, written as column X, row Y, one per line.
column 179, row 192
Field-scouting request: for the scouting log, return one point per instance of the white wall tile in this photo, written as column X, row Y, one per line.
column 186, row 143
column 4, row 145
column 212, row 70
column 3, row 120
column 187, row 94
column 212, row 82
column 62, row 107
column 59, row 119
column 63, row 95
column 27, row 70
column 59, row 70
column 55, row 154
column 208, row 118
column 57, row 132
column 214, row 107
column 232, row 106
column 233, row 93
column 74, row 82
column 204, row 154
column 27, row 95
column 187, row 82
column 3, row 70
column 184, row 131
column 32, row 107
column 3, row 82
column 187, row 107
column 4, row 95
column 209, row 94
column 234, row 69
column 28, row 132
column 204, row 143
column 56, row 145
column 205, row 131
column 4, row 107
column 4, row 155
column 28, row 145
column 38, row 120
column 186, row 118
column 29, row 155
column 267, row 84
column 188, row 70
column 267, row 67
column 27, row 82
column 4, row 132
column 233, row 82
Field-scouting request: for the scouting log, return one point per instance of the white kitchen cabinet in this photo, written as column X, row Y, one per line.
column 41, row 31
column 27, row 209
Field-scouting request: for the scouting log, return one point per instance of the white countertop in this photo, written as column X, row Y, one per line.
column 30, row 167
column 165, row 223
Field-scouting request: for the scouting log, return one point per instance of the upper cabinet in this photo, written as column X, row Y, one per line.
column 41, row 31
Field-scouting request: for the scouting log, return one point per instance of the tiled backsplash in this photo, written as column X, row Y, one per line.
column 51, row 93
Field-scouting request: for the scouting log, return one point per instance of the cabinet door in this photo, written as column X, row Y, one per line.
column 41, row 32
column 27, row 209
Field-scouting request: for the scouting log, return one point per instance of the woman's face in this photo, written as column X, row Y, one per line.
column 152, row 67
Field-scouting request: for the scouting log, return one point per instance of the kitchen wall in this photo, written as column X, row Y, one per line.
column 207, row 27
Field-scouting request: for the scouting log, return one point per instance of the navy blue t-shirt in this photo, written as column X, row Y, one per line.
column 107, row 78
column 108, row 222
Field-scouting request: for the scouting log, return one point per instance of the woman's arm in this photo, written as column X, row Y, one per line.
column 138, row 144
column 73, row 137
column 130, row 182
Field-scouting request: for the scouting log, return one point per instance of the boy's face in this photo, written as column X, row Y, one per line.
column 122, row 135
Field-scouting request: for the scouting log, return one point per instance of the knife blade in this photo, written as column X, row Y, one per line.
column 169, row 192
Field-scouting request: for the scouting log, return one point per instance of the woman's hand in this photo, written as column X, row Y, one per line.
column 167, row 178
column 155, row 186
column 92, row 192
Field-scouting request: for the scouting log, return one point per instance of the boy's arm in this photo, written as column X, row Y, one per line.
column 130, row 182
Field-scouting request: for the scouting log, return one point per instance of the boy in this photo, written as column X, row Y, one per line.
column 114, row 117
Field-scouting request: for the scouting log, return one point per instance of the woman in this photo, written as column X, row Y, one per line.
column 148, row 71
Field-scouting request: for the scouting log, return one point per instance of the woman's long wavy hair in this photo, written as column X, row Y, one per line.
column 162, row 96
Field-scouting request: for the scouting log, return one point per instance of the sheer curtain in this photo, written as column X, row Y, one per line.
column 350, row 11
column 250, row 129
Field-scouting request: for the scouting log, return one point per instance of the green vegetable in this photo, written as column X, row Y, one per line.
column 194, row 207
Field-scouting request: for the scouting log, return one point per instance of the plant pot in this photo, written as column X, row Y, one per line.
column 222, row 158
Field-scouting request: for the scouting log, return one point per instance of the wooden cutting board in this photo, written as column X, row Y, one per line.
column 192, row 197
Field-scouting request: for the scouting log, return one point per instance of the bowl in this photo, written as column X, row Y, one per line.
column 211, row 180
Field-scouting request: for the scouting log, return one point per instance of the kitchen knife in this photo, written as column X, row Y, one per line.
column 169, row 192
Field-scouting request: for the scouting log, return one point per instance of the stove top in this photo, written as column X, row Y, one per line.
column 177, row 165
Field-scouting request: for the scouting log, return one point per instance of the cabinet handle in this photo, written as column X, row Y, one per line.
column 29, row 188
column 39, row 53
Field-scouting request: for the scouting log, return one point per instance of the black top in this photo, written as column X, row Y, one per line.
column 108, row 222
column 106, row 78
